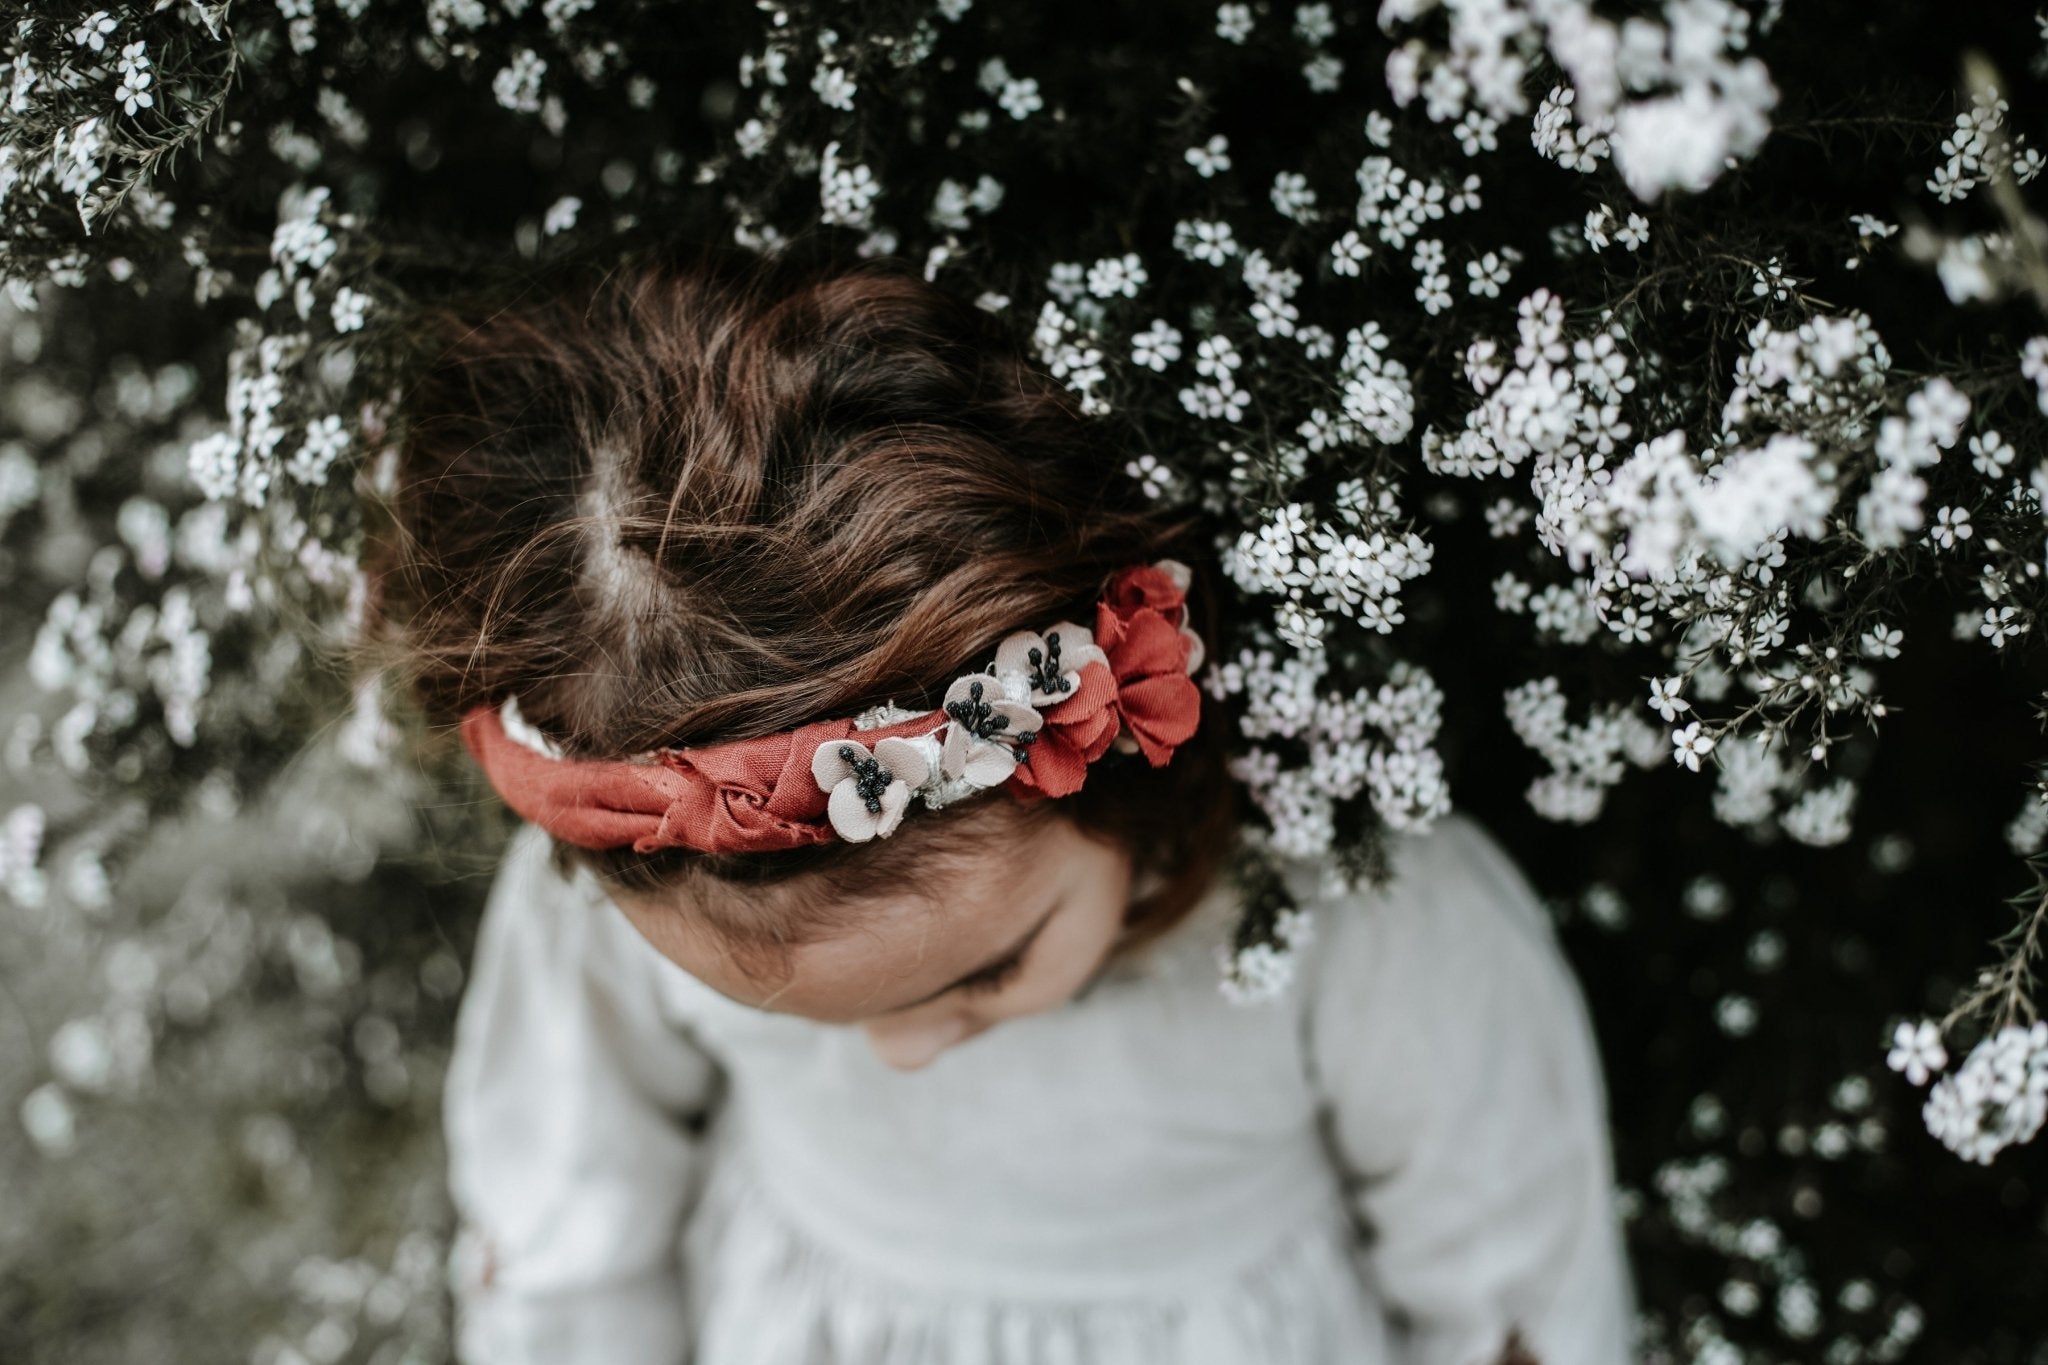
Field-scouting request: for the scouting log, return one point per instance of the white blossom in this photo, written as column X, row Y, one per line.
column 1213, row 243
column 1917, row 1051
column 1157, row 346
column 1020, row 98
column 1117, row 275
column 1664, row 698
column 1689, row 745
column 517, row 87
column 1211, row 158
column 1997, row 1098
column 846, row 194
column 834, row 86
column 1234, row 23
column 561, row 215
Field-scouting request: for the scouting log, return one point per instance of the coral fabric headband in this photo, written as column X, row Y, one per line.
column 1050, row 705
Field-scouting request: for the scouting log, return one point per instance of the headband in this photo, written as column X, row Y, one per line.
column 1052, row 703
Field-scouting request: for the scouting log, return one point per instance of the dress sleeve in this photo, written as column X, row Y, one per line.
column 1466, row 1109
column 569, row 1109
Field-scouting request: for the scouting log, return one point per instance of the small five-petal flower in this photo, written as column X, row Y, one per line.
column 1917, row 1051
column 1049, row 665
column 869, row 790
column 1689, row 746
column 987, row 731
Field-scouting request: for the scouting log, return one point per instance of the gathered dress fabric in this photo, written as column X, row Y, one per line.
column 1402, row 1161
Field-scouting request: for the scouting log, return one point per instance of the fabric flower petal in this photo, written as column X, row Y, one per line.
column 1149, row 585
column 1076, row 650
column 905, row 760
column 1150, row 645
column 987, row 765
column 1023, row 719
column 1077, row 645
column 850, row 815
column 1076, row 733
column 953, row 755
column 827, row 765
column 895, row 800
column 962, row 689
column 1056, row 768
column 1013, row 652
column 1161, row 713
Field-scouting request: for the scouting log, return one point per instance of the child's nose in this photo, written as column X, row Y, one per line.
column 912, row 1041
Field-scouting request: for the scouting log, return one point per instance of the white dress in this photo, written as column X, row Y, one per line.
column 1399, row 1162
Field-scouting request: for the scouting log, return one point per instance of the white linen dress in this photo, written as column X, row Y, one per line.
column 1397, row 1163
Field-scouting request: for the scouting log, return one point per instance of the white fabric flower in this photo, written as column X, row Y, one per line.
column 1045, row 670
column 983, row 718
column 869, row 790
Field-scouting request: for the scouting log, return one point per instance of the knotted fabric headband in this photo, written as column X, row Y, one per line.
column 1051, row 704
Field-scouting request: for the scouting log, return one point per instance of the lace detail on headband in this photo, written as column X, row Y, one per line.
column 888, row 713
column 526, row 736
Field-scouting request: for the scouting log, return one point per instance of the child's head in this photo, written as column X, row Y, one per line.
column 680, row 504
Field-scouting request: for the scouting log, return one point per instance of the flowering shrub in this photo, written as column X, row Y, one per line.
column 1627, row 425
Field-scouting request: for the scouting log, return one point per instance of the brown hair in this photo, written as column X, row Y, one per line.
column 703, row 498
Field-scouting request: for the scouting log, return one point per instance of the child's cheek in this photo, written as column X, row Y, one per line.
column 1066, row 960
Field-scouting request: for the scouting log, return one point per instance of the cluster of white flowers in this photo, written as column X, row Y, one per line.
column 21, row 853
column 1557, row 407
column 2027, row 832
column 1664, row 508
column 1379, row 742
column 1018, row 97
column 1377, row 393
column 1825, row 376
column 1586, row 760
column 1069, row 352
column 135, row 78
column 162, row 649
column 1355, row 567
column 1906, row 445
column 1978, row 149
column 1767, row 1269
column 846, row 193
column 242, row 461
column 953, row 201
column 517, row 86
column 1666, row 544
column 1261, row 972
column 1396, row 205
column 1820, row 817
column 1673, row 103
column 1998, row 1098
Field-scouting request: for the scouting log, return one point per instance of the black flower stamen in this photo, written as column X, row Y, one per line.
column 870, row 778
column 1046, row 673
column 978, row 717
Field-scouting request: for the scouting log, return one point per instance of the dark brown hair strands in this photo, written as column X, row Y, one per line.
column 702, row 497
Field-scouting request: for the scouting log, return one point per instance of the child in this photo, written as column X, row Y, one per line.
column 852, row 997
